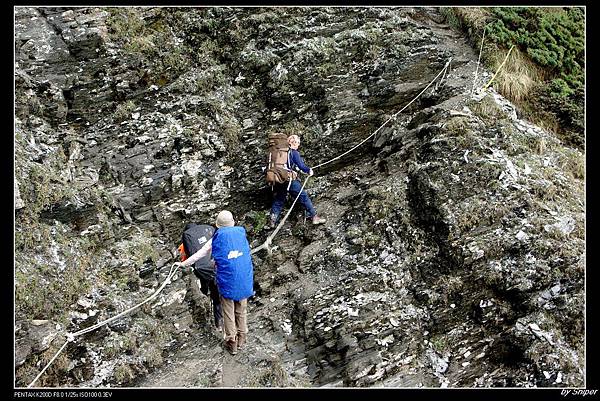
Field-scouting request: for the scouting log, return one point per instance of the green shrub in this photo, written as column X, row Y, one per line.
column 552, row 37
column 257, row 220
column 544, row 75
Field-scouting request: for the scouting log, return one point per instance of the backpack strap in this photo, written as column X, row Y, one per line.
column 292, row 174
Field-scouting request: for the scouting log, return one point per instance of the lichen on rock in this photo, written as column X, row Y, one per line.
column 453, row 255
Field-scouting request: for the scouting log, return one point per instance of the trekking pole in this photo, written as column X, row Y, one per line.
column 210, row 311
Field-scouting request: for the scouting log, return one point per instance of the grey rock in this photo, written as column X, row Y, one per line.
column 40, row 334
column 19, row 204
column 22, row 350
column 446, row 223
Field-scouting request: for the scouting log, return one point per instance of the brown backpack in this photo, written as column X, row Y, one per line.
column 277, row 173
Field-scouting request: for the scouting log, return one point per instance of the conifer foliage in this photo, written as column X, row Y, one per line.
column 552, row 37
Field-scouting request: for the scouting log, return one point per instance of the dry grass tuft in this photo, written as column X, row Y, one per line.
column 472, row 17
column 487, row 109
column 518, row 76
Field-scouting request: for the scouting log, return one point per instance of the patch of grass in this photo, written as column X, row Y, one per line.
column 545, row 71
column 210, row 80
column 383, row 201
column 152, row 356
column 111, row 349
column 440, row 343
column 29, row 234
column 257, row 220
column 472, row 19
column 61, row 363
column 519, row 75
column 29, row 303
column 459, row 126
column 44, row 292
column 159, row 335
column 487, row 109
column 124, row 22
column 574, row 163
column 129, row 343
column 123, row 373
column 150, row 39
column 274, row 376
column 320, row 48
column 25, row 374
column 57, row 370
column 118, row 344
column 123, row 111
column 123, row 276
column 537, row 145
column 206, row 52
column 327, row 68
column 372, row 239
column 144, row 251
column 203, row 381
column 231, row 131
column 44, row 186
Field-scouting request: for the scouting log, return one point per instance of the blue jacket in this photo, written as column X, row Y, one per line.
column 295, row 160
column 233, row 263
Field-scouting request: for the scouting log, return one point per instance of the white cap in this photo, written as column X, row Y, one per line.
column 225, row 219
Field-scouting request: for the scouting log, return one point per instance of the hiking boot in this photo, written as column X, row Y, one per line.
column 231, row 346
column 241, row 340
column 318, row 220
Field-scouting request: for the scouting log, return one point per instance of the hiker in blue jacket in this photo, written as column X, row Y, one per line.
column 235, row 277
column 294, row 163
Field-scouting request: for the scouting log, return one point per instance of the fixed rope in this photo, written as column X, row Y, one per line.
column 269, row 240
column 499, row 68
column 266, row 244
column 389, row 119
column 478, row 60
column 71, row 336
column 51, row 360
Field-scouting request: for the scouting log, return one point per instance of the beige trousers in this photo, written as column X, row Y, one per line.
column 234, row 318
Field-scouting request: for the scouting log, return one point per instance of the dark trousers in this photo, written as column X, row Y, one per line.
column 209, row 287
column 281, row 195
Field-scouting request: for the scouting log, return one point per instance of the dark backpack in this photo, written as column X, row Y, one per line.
column 193, row 238
column 277, row 172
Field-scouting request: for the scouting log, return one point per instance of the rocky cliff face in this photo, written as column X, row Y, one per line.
column 453, row 255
